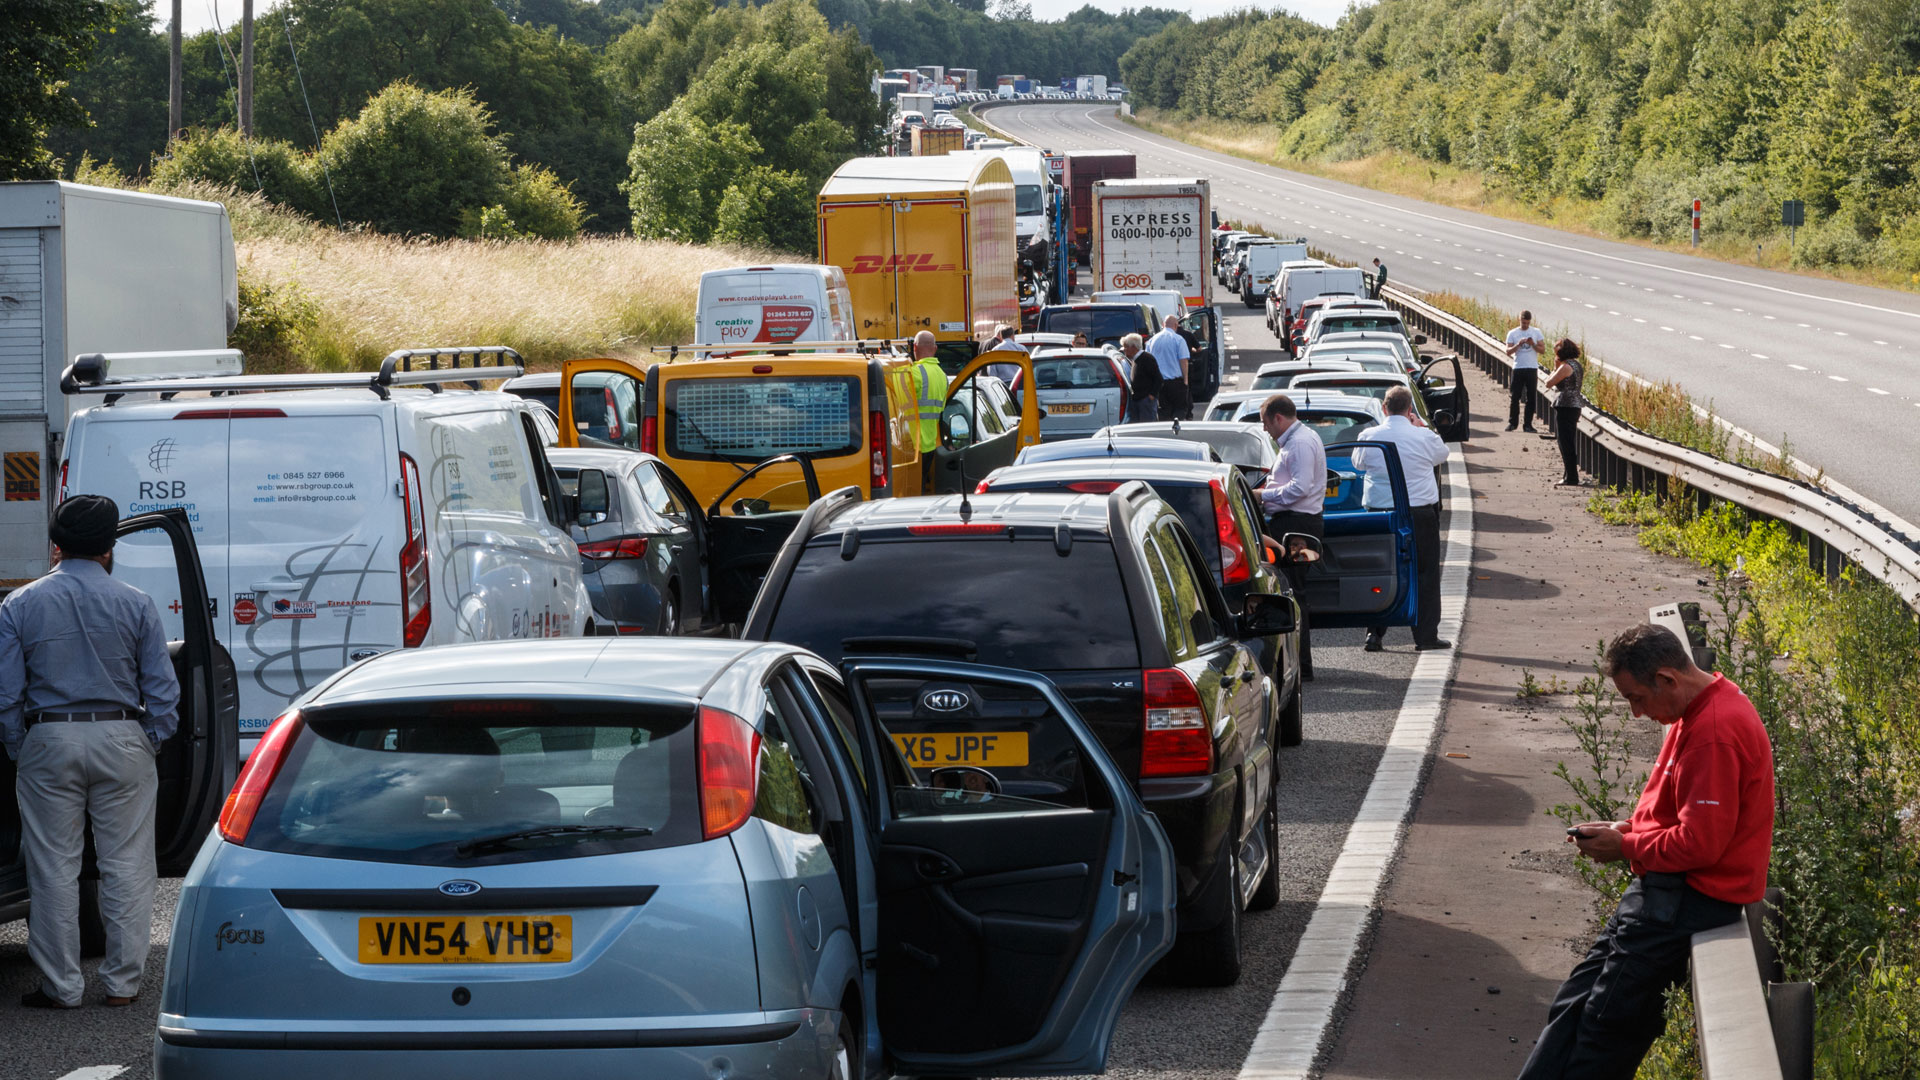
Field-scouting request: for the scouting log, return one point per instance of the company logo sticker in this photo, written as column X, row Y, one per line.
column 946, row 700
column 460, row 887
column 160, row 455
column 293, row 609
column 245, row 611
column 897, row 264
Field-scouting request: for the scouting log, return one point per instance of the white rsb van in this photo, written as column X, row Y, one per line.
column 773, row 305
column 337, row 516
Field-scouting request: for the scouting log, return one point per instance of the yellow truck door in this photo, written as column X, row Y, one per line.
column 858, row 238
column 933, row 281
column 614, row 422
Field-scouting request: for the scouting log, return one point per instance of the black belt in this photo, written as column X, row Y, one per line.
column 78, row 717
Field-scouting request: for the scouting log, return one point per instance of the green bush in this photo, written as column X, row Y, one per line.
column 535, row 206
column 273, row 325
column 679, row 171
column 277, row 170
column 768, row 208
column 414, row 162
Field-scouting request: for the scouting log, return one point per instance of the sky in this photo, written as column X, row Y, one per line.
column 198, row 15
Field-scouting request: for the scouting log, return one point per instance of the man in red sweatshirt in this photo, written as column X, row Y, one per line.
column 1697, row 844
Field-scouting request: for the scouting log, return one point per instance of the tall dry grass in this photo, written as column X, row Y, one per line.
column 367, row 294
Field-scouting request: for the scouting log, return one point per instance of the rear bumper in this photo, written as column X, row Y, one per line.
column 792, row 1044
column 1198, row 814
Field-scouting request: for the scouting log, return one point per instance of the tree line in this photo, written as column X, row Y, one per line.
column 1638, row 105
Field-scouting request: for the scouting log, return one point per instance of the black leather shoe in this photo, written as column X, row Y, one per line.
column 1510, row 427
column 38, row 999
column 1436, row 643
column 1529, row 429
column 1372, row 645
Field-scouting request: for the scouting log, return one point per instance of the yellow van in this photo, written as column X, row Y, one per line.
column 757, row 438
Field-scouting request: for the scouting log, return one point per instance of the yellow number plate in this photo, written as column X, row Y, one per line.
column 986, row 749
column 1067, row 407
column 467, row 939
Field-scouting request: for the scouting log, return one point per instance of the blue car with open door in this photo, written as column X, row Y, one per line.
column 1365, row 575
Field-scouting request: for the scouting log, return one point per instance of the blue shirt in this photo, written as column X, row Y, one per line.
column 1169, row 349
column 76, row 640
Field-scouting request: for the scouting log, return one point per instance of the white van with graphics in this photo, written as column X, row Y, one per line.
column 337, row 516
column 762, row 305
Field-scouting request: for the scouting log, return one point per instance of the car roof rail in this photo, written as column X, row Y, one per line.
column 92, row 373
column 738, row 350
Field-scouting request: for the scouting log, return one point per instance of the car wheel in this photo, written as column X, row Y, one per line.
column 669, row 616
column 1266, row 894
column 840, row 1065
column 1212, row 957
column 1293, row 726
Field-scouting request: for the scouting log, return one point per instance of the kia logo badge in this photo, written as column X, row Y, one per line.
column 459, row 887
column 946, row 700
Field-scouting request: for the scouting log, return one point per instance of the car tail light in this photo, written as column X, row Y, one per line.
column 729, row 771
column 614, row 430
column 416, row 587
column 63, row 483
column 957, row 529
column 877, row 447
column 1093, row 487
column 629, row 547
column 983, row 487
column 256, row 776
column 1177, row 741
column 1235, row 567
column 649, row 434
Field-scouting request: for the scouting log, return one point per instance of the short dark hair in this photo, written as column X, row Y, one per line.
column 1641, row 651
column 1278, row 405
column 1568, row 349
column 1527, row 315
column 1397, row 402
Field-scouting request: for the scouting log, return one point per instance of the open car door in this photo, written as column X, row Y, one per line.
column 746, row 526
column 974, row 438
column 603, row 409
column 1022, row 886
column 1209, row 360
column 1365, row 574
column 1446, row 397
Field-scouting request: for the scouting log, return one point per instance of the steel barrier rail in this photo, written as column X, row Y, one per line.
column 1838, row 532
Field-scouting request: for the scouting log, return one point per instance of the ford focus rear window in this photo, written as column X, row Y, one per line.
column 1014, row 604
column 1101, row 325
column 473, row 783
column 1075, row 373
column 742, row 419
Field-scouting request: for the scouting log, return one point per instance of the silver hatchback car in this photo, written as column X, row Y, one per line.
column 665, row 858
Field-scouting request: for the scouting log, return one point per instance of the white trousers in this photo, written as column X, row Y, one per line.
column 69, row 774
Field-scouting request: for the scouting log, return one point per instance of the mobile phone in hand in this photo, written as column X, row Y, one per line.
column 1574, row 831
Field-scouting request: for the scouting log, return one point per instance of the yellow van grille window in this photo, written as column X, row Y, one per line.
column 759, row 417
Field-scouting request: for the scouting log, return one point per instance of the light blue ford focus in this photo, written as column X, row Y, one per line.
column 666, row 858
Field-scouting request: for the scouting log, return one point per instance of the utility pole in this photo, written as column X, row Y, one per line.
column 246, row 69
column 176, row 101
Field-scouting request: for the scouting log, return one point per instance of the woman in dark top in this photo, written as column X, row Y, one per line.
column 1564, row 386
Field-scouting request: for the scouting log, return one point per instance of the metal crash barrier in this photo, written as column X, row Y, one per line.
column 1748, row 1023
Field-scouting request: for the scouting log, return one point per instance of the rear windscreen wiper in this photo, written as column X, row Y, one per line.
column 487, row 845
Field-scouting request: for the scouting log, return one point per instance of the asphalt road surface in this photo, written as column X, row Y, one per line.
column 1166, row 1031
column 1834, row 368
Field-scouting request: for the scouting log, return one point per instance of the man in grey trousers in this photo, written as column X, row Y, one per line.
column 87, row 695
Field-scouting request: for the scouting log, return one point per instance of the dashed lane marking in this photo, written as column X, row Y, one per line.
column 1302, row 1008
column 1876, row 390
column 1838, row 378
column 96, row 1072
column 1797, row 367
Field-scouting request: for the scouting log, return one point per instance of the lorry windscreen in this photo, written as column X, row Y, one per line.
column 1027, row 200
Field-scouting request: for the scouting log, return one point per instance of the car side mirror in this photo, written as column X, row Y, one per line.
column 959, row 433
column 1419, row 339
column 1301, row 548
column 1444, row 418
column 590, row 499
column 1267, row 614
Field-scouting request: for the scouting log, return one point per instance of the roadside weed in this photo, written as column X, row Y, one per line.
column 1531, row 687
column 1602, row 785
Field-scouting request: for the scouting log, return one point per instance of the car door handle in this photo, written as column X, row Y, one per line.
column 935, row 868
column 1249, row 675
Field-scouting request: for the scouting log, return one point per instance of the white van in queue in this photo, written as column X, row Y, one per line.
column 762, row 305
column 337, row 516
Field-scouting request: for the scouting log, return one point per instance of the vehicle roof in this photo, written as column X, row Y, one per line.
column 890, row 175
column 414, row 399
column 763, row 268
column 1378, row 338
column 1080, row 305
column 1076, row 449
column 539, row 380
column 1056, row 352
column 649, row 669
column 1327, row 378
column 1045, row 509
column 1114, row 468
column 1213, row 433
column 593, row 457
column 1283, row 367
column 1042, row 337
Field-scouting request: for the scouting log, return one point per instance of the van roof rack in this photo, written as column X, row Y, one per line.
column 787, row 348
column 92, row 373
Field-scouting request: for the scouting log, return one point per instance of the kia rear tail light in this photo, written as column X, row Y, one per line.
column 256, row 776
column 416, row 587
column 729, row 771
column 650, row 435
column 1235, row 567
column 877, row 448
column 1177, row 741
column 630, row 547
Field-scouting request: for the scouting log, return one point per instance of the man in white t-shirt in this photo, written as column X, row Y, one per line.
column 1525, row 343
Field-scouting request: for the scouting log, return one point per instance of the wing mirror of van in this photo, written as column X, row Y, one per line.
column 1267, row 614
column 591, row 499
column 959, row 432
column 1419, row 339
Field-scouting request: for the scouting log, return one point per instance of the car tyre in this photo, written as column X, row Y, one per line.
column 1266, row 894
column 1292, row 726
column 1212, row 957
column 670, row 615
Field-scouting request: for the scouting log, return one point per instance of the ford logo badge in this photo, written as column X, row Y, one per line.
column 459, row 887
column 946, row 700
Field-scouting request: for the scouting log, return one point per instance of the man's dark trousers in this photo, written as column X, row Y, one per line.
column 1613, row 1006
column 1426, row 562
column 1279, row 524
column 1525, row 381
column 1175, row 401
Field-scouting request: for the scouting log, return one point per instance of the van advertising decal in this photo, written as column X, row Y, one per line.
column 292, row 609
column 776, row 324
column 244, row 609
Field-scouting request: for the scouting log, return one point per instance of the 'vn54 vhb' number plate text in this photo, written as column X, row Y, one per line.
column 467, row 939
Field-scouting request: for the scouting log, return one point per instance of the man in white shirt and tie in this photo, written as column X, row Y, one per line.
column 1294, row 494
column 1421, row 452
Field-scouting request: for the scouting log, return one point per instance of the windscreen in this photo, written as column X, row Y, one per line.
column 1335, row 324
column 452, row 783
column 1028, row 199
column 1074, row 373
column 1016, row 603
column 1101, row 325
column 752, row 419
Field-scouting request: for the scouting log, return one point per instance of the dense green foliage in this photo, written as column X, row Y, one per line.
column 1641, row 105
column 42, row 42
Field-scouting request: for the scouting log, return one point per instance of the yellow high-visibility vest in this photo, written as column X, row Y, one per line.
column 932, row 401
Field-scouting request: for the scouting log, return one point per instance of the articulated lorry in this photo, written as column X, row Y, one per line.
column 1156, row 233
column 934, row 141
column 1084, row 168
column 927, row 243
column 96, row 270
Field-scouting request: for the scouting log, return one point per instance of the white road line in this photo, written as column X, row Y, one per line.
column 1796, row 367
column 1724, row 345
column 1877, row 341
column 1302, row 1007
column 1838, row 378
column 96, row 1072
column 1638, row 319
column 1876, row 390
column 1758, row 356
column 1668, row 329
column 1696, row 337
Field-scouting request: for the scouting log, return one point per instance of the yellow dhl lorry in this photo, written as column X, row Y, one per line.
column 927, row 243
column 934, row 141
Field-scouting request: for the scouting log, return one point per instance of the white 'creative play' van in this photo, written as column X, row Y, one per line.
column 773, row 305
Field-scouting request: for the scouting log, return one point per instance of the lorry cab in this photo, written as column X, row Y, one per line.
column 336, row 515
column 758, row 437
column 774, row 305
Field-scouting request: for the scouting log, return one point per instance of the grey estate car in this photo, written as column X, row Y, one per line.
column 666, row 858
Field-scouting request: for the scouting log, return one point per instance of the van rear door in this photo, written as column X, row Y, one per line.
column 313, row 549
column 858, row 237
column 932, row 283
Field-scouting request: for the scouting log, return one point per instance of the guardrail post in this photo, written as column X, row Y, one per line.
column 1790, row 1011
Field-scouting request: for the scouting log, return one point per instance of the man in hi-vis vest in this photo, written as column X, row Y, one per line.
column 930, row 380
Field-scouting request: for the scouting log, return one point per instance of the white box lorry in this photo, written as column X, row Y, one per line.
column 94, row 270
column 1156, row 233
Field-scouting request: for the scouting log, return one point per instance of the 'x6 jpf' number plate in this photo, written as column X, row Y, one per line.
column 467, row 939
column 982, row 749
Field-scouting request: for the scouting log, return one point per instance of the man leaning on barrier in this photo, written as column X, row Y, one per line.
column 1697, row 844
